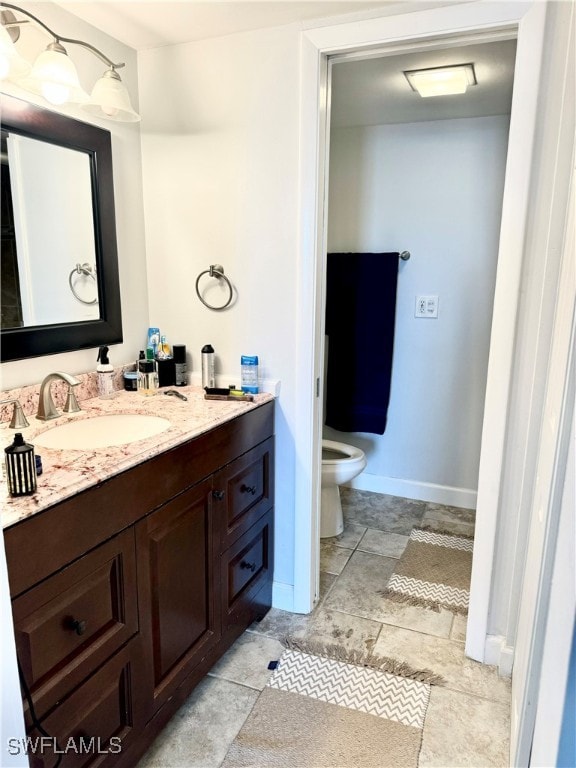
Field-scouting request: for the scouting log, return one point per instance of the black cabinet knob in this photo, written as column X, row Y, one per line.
column 248, row 489
column 248, row 566
column 78, row 626
column 218, row 495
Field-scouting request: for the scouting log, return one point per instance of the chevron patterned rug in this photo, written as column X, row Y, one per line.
column 319, row 712
column 433, row 572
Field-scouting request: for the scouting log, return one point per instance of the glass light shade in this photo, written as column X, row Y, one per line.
column 110, row 99
column 54, row 77
column 11, row 63
column 442, row 81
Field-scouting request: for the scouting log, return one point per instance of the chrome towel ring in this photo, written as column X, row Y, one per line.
column 82, row 269
column 217, row 271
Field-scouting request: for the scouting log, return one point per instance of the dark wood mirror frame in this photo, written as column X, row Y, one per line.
column 35, row 122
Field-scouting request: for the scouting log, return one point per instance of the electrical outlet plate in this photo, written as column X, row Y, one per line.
column 426, row 306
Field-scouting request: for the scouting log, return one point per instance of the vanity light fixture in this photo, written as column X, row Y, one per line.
column 54, row 74
column 442, row 81
column 11, row 63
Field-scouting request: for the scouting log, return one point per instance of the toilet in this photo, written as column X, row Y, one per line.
column 340, row 463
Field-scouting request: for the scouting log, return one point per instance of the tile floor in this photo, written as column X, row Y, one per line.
column 467, row 723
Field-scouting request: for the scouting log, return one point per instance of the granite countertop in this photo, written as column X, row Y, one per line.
column 66, row 472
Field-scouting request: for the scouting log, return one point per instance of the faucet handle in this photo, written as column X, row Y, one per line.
column 71, row 405
column 18, row 421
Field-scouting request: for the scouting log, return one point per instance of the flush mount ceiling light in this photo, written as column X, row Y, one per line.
column 442, row 81
column 54, row 74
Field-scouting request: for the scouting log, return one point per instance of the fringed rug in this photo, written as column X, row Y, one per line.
column 322, row 712
column 433, row 572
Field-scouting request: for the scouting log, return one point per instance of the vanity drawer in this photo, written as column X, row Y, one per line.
column 99, row 720
column 245, row 568
column 69, row 624
column 243, row 491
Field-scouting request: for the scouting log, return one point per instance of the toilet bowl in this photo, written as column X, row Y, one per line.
column 340, row 463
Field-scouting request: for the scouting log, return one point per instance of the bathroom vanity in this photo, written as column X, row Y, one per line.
column 127, row 592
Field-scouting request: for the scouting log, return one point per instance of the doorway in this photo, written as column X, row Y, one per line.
column 424, row 176
column 437, row 28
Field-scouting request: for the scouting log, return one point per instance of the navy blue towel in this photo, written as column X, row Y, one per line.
column 360, row 314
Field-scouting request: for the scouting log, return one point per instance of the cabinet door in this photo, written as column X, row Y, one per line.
column 177, row 586
column 247, row 574
column 67, row 625
column 244, row 491
column 98, row 721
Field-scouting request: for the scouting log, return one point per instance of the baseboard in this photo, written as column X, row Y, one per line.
column 498, row 654
column 412, row 489
column 283, row 596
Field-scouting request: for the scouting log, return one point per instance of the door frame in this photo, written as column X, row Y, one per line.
column 411, row 31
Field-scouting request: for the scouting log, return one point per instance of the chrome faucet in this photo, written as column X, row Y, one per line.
column 19, row 421
column 46, row 408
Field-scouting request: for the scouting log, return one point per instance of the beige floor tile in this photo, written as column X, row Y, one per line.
column 327, row 581
column 458, row 633
column 381, row 511
column 382, row 543
column 446, row 658
column 333, row 558
column 462, row 730
column 349, row 537
column 449, row 519
column 246, row 662
column 280, row 624
column 356, row 591
column 200, row 733
column 351, row 632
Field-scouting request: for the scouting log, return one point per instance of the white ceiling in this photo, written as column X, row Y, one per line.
column 375, row 91
column 145, row 24
column 365, row 92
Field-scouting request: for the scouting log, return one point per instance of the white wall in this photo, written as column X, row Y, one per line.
column 434, row 189
column 126, row 159
column 220, row 164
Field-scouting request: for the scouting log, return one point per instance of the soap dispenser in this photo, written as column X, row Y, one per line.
column 20, row 467
column 105, row 373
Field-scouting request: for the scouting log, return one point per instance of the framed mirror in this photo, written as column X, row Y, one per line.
column 59, row 260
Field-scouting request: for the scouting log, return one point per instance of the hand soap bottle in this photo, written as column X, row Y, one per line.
column 105, row 373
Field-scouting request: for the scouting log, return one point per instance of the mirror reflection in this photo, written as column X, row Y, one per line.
column 48, row 257
column 59, row 265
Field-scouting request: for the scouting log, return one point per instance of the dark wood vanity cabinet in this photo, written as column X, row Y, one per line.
column 124, row 596
column 177, row 569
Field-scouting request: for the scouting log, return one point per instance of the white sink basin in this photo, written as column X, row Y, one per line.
column 102, row 431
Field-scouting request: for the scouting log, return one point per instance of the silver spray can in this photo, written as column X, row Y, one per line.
column 208, row 377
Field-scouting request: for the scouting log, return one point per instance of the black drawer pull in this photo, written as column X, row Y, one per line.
column 248, row 489
column 248, row 566
column 78, row 626
column 218, row 495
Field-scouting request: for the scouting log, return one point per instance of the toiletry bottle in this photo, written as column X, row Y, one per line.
column 165, row 364
column 105, row 374
column 208, row 377
column 20, row 467
column 180, row 378
column 153, row 340
column 249, row 374
column 147, row 377
column 163, row 351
